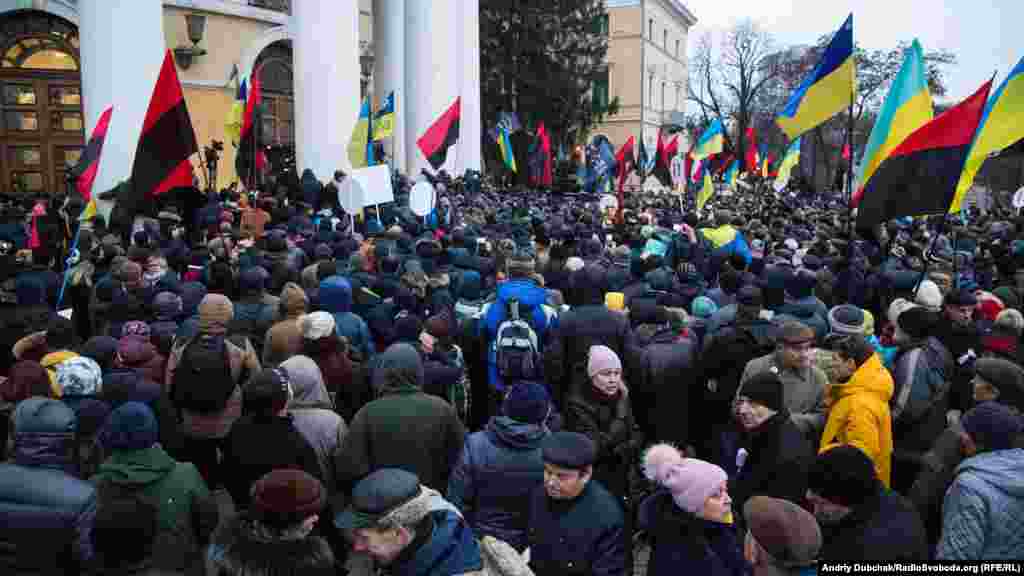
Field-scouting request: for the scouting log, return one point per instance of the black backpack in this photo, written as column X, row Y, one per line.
column 202, row 379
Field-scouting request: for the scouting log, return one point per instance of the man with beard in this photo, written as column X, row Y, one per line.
column 860, row 519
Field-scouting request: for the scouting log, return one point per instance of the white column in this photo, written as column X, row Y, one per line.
column 122, row 50
column 469, row 83
column 325, row 46
column 431, row 74
column 389, row 69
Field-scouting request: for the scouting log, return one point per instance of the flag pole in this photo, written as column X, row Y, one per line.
column 849, row 178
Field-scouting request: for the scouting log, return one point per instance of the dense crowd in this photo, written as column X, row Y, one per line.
column 518, row 383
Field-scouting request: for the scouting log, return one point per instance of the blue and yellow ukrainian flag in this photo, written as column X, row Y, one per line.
column 707, row 190
column 711, row 142
column 384, row 119
column 358, row 148
column 1002, row 124
column 827, row 91
column 506, row 150
column 731, row 174
column 726, row 240
column 789, row 160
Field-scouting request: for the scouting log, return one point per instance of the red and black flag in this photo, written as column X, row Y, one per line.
column 84, row 173
column 920, row 176
column 539, row 158
column 166, row 143
column 663, row 163
column 441, row 135
column 624, row 160
column 250, row 159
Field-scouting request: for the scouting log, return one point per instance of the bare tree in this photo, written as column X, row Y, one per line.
column 726, row 77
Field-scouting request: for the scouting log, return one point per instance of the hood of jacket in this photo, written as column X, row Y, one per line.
column 525, row 291
column 135, row 352
column 514, row 434
column 336, row 295
column 294, row 300
column 802, row 308
column 1002, row 471
column 399, row 370
column 871, row 378
column 192, row 293
column 138, row 467
column 469, row 286
column 44, row 433
column 307, row 383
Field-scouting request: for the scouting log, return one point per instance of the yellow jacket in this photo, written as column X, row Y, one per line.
column 860, row 416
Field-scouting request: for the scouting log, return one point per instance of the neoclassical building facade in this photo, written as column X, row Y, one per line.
column 62, row 62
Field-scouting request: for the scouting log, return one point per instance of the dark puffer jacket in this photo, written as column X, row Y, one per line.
column 684, row 544
column 885, row 528
column 46, row 513
column 492, row 481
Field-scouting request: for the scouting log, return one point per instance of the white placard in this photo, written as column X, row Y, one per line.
column 421, row 198
column 375, row 182
column 609, row 202
column 351, row 196
column 677, row 168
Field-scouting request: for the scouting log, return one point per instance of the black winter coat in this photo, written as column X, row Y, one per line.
column 778, row 459
column 886, row 528
column 684, row 544
column 580, row 537
column 609, row 423
column 662, row 374
column 565, row 355
column 258, row 445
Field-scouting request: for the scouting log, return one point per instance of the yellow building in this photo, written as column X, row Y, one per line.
column 647, row 68
column 43, row 125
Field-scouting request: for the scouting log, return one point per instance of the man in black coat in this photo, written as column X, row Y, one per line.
column 576, row 527
column 774, row 455
column 861, row 519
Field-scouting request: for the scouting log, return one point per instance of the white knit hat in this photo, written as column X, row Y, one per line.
column 929, row 296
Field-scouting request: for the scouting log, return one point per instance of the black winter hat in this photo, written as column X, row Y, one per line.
column 843, row 475
column 765, row 389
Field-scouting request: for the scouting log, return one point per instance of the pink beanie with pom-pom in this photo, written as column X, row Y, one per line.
column 691, row 481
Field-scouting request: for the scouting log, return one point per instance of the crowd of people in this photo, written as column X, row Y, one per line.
column 519, row 383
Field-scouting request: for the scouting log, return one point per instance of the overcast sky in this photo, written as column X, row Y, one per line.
column 985, row 35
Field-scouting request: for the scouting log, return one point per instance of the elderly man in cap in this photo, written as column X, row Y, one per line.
column 576, row 527
column 983, row 508
column 959, row 333
column 774, row 455
column 408, row 528
column 803, row 383
column 860, row 519
column 782, row 538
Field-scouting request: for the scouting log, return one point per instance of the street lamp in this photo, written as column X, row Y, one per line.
column 365, row 69
column 196, row 25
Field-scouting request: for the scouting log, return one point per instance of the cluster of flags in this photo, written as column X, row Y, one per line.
column 914, row 164
column 371, row 128
column 166, row 143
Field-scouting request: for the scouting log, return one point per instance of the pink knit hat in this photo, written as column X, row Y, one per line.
column 602, row 358
column 691, row 481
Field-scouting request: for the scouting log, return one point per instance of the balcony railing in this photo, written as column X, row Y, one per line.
column 275, row 5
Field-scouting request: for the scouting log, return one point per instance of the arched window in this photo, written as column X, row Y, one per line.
column 41, row 120
column 37, row 41
column 277, row 78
